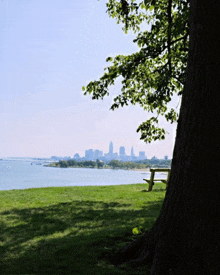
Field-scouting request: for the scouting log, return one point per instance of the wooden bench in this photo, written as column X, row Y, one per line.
column 152, row 179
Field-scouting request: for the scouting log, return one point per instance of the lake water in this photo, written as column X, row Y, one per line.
column 30, row 173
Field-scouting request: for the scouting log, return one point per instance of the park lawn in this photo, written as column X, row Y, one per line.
column 72, row 230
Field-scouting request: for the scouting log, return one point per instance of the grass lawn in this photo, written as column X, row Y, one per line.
column 72, row 230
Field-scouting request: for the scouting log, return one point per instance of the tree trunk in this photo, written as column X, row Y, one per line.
column 186, row 236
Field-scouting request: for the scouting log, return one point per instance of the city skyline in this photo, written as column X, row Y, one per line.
column 92, row 154
column 96, row 154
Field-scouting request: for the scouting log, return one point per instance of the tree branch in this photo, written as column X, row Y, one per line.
column 169, row 34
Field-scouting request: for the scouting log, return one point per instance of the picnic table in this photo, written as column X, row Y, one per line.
column 152, row 179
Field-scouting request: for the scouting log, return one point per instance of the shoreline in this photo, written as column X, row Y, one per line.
column 128, row 169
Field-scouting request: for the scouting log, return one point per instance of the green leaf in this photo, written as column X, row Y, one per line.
column 146, row 2
column 109, row 59
column 151, row 8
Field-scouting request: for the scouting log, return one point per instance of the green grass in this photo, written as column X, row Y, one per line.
column 72, row 230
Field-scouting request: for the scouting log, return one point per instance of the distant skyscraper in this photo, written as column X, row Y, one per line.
column 89, row 154
column 111, row 148
column 97, row 154
column 142, row 155
column 77, row 156
column 132, row 152
column 122, row 151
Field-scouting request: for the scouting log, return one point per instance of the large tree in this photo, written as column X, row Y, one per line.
column 153, row 74
column 186, row 236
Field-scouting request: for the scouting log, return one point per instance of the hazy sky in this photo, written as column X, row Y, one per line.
column 48, row 51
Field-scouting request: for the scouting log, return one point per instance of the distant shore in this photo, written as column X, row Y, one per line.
column 113, row 164
column 117, row 168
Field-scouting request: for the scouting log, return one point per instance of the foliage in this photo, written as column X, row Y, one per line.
column 63, row 164
column 73, row 163
column 126, row 164
column 112, row 164
column 152, row 75
column 115, row 163
column 89, row 163
column 99, row 163
column 139, row 164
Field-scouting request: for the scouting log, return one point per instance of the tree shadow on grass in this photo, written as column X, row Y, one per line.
column 69, row 238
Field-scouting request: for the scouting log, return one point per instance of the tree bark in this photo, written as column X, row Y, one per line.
column 186, row 236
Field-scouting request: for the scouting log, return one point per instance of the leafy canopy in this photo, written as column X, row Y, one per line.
column 152, row 75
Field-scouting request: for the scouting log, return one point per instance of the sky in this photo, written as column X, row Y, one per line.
column 48, row 51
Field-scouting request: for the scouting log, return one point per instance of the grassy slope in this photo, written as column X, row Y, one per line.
column 71, row 230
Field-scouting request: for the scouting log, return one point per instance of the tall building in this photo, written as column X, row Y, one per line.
column 97, row 154
column 142, row 155
column 110, row 148
column 122, row 151
column 132, row 152
column 76, row 156
column 89, row 154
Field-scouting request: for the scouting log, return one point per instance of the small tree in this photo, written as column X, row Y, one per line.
column 115, row 163
column 99, row 164
column 63, row 164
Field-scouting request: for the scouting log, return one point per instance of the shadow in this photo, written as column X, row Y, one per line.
column 69, row 238
column 154, row 190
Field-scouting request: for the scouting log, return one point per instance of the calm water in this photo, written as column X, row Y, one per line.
column 30, row 173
